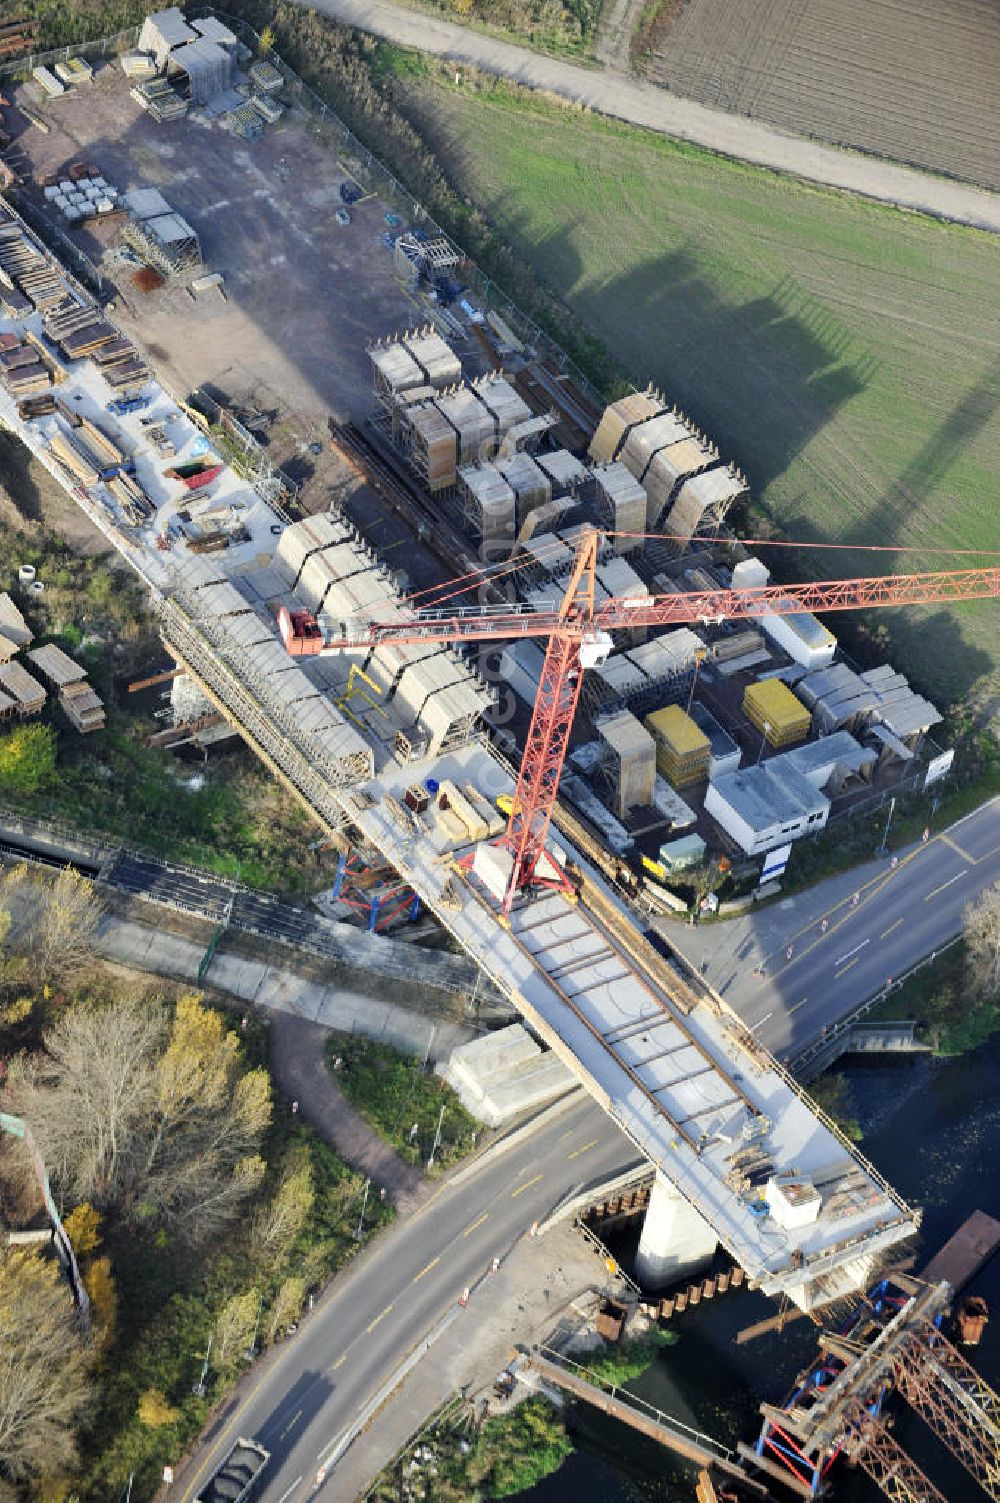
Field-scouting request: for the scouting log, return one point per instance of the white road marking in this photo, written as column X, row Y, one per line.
column 842, row 958
column 956, row 878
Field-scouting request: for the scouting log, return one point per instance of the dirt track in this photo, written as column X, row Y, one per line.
column 646, row 105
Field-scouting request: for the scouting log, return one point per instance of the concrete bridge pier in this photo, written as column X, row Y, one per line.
column 676, row 1241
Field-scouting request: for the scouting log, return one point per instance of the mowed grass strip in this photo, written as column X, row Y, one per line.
column 844, row 354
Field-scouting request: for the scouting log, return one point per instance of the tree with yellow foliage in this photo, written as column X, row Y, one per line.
column 100, row 1285
column 155, row 1411
column 83, row 1228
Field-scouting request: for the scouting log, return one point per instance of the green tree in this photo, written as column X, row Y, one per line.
column 286, row 1308
column 83, row 1228
column 155, row 1411
column 525, row 1446
column 234, row 1330
column 283, row 1219
column 27, row 759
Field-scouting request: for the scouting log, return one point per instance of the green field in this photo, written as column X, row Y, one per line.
column 843, row 354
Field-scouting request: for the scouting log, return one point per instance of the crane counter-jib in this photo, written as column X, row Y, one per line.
column 486, row 623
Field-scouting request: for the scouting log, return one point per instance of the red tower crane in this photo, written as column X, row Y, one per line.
column 578, row 634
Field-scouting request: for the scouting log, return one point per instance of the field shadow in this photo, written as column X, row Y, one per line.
column 17, row 480
column 761, row 376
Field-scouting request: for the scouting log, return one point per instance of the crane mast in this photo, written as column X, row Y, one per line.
column 578, row 630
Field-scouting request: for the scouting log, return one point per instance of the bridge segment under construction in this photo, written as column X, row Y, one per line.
column 742, row 1156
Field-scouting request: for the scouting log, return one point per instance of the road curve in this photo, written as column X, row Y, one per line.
column 612, row 93
column 299, row 1400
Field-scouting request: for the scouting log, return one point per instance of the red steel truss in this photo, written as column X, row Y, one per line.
column 889, row 1467
column 578, row 621
column 954, row 1400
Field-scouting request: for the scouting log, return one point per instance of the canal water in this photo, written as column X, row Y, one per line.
column 933, row 1129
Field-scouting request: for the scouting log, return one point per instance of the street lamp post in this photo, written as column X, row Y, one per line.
column 361, row 1219
column 885, row 833
column 763, row 738
column 437, row 1139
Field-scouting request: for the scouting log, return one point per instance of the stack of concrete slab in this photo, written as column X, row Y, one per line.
column 505, row 1073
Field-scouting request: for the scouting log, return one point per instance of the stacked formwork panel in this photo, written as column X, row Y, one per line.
column 682, row 748
column 431, row 445
column 489, row 508
column 26, row 694
column 621, row 504
column 775, row 711
column 531, row 486
column 474, row 424
column 238, row 656
column 628, row 761
column 704, row 501
column 434, row 696
column 508, row 407
column 618, row 420
column 656, row 673
column 440, row 366
column 394, row 371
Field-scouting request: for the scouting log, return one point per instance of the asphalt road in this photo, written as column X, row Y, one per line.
column 298, row 1401
column 848, row 937
column 612, row 93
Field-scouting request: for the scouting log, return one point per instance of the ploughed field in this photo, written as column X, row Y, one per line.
column 842, row 353
column 915, row 80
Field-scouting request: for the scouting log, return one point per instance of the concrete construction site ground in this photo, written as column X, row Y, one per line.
column 304, row 295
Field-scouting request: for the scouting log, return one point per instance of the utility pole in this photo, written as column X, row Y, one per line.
column 763, row 739
column 437, row 1138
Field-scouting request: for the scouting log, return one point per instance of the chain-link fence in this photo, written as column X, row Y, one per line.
column 111, row 46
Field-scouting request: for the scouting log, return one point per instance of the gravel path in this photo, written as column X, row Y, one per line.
column 299, row 1067
column 612, row 93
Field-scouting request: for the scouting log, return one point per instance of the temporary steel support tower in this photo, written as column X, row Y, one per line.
column 578, row 638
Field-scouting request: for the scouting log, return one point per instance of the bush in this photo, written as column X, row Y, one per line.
column 395, row 1094
column 27, row 759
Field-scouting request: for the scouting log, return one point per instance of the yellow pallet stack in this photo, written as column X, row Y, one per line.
column 682, row 748
column 774, row 710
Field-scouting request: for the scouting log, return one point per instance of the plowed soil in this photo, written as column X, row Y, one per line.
column 915, row 80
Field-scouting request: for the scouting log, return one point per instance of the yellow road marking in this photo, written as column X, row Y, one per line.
column 431, row 1264
column 472, row 1228
column 339, row 1363
column 837, row 974
column 890, row 928
column 973, row 860
column 526, row 1186
column 378, row 1318
column 585, row 1149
